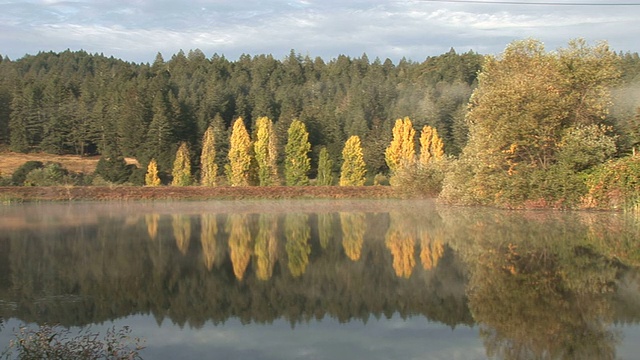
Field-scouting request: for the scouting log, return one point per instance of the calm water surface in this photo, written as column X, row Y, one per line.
column 326, row 279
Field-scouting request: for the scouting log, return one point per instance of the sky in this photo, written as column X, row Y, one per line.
column 136, row 30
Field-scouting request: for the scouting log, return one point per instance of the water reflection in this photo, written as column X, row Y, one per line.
column 536, row 284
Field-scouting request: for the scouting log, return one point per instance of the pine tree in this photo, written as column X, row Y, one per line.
column 265, row 152
column 297, row 162
column 401, row 152
column 182, row 167
column 208, row 165
column 354, row 169
column 325, row 168
column 239, row 155
column 151, row 178
column 431, row 145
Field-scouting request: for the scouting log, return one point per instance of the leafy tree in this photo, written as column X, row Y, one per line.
column 297, row 161
column 182, row 167
column 239, row 155
column 151, row 177
column 266, row 152
column 325, row 168
column 431, row 146
column 402, row 150
column 208, row 165
column 354, row 169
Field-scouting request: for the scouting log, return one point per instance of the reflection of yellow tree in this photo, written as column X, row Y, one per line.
column 239, row 243
column 152, row 224
column 182, row 231
column 400, row 240
column 297, row 232
column 431, row 250
column 266, row 246
column 208, row 234
column 325, row 228
column 353, row 228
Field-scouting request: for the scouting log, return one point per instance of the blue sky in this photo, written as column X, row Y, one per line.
column 136, row 30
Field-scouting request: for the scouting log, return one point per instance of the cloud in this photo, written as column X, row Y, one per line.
column 136, row 30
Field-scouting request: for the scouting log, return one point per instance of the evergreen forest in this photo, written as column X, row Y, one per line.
column 507, row 128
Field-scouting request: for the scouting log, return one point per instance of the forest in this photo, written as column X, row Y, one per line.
column 573, row 111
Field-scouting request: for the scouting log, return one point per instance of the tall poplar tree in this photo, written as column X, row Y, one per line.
column 182, row 167
column 431, row 145
column 402, row 150
column 297, row 161
column 151, row 178
column 265, row 152
column 208, row 165
column 354, row 169
column 239, row 166
column 325, row 168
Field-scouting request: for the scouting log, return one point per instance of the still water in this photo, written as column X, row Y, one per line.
column 326, row 279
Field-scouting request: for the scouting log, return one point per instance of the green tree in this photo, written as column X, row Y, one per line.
column 239, row 155
column 181, row 172
column 325, row 168
column 297, row 161
column 151, row 178
column 354, row 169
column 208, row 165
column 266, row 152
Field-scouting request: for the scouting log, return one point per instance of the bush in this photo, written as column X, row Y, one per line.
column 425, row 180
column 615, row 185
column 114, row 170
column 56, row 343
column 20, row 175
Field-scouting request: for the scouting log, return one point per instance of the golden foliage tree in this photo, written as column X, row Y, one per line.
column 402, row 149
column 265, row 149
column 239, row 166
column 239, row 243
column 297, row 161
column 208, row 164
column 297, row 232
column 181, row 172
column 151, row 178
column 353, row 169
column 353, row 228
column 431, row 145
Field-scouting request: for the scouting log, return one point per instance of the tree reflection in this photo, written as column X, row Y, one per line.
column 431, row 250
column 297, row 233
column 400, row 240
column 325, row 229
column 182, row 231
column 152, row 224
column 547, row 298
column 208, row 239
column 239, row 242
column 353, row 227
column 266, row 247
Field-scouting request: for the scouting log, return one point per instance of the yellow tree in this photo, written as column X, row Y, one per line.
column 151, row 177
column 239, row 166
column 402, row 150
column 353, row 169
column 265, row 150
column 208, row 165
column 431, row 145
column 182, row 167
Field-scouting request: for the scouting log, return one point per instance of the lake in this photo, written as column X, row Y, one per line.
column 326, row 279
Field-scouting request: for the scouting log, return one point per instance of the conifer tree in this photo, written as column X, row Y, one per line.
column 151, row 178
column 354, row 169
column 208, row 165
column 297, row 162
column 325, row 166
column 401, row 152
column 265, row 152
column 239, row 155
column 431, row 145
column 182, row 167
